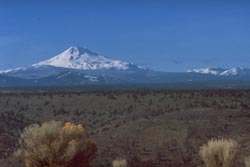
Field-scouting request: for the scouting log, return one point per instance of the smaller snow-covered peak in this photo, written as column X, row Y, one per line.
column 222, row 71
column 81, row 58
column 209, row 70
column 232, row 71
column 236, row 71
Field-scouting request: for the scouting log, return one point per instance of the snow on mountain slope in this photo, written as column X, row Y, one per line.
column 214, row 71
column 84, row 59
column 236, row 71
column 76, row 78
column 222, row 71
column 13, row 70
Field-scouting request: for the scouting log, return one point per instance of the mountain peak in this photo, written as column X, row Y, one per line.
column 79, row 50
column 222, row 71
column 209, row 70
column 76, row 57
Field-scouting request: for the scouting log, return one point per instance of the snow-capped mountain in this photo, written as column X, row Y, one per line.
column 214, row 71
column 84, row 59
column 222, row 71
column 75, row 59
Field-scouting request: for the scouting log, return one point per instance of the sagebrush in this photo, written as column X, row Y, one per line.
column 55, row 144
column 219, row 152
column 247, row 161
column 120, row 163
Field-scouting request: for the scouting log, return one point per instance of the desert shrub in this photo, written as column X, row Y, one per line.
column 247, row 161
column 219, row 152
column 55, row 144
column 120, row 163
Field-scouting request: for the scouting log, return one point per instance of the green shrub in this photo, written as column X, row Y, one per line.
column 219, row 152
column 55, row 144
column 120, row 163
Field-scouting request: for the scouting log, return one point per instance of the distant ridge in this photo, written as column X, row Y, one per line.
column 79, row 66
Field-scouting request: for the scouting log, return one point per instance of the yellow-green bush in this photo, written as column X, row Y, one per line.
column 247, row 161
column 219, row 153
column 55, row 144
column 120, row 163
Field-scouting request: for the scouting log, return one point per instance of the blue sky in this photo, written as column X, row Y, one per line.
column 163, row 35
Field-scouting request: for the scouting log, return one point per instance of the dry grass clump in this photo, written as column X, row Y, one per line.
column 247, row 161
column 55, row 144
column 120, row 163
column 219, row 152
